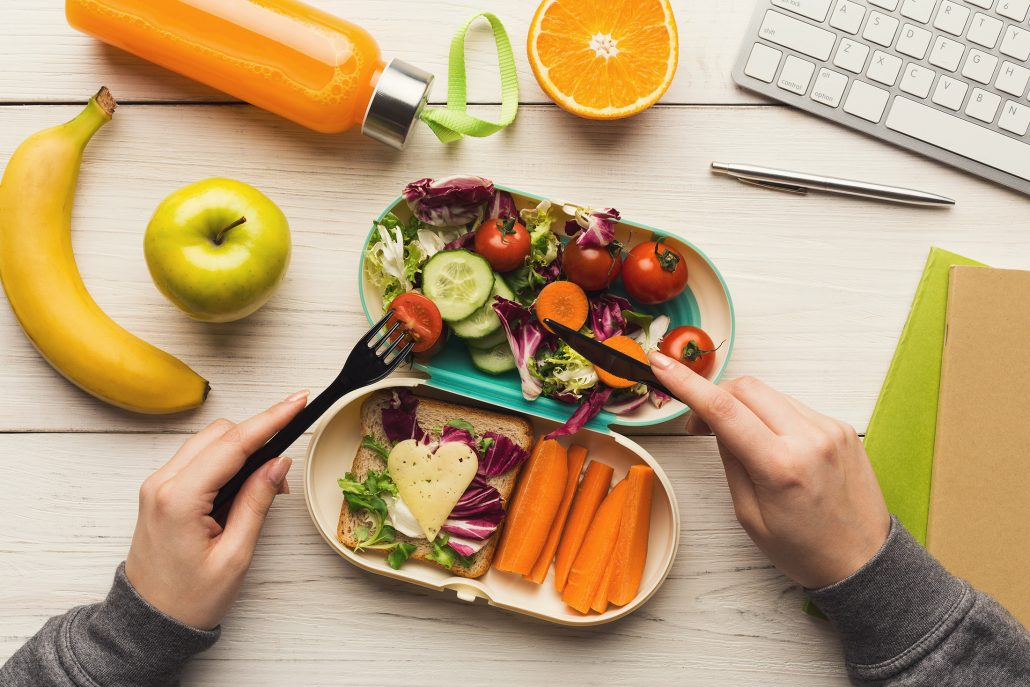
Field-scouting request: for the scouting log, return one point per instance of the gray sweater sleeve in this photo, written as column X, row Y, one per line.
column 121, row 641
column 905, row 621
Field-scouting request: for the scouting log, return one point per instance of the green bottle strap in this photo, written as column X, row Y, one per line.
column 451, row 123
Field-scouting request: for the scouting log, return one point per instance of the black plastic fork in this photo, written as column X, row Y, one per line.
column 368, row 362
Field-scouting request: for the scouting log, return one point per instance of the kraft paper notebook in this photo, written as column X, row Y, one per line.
column 979, row 525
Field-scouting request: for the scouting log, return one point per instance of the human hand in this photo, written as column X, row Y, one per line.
column 182, row 561
column 801, row 483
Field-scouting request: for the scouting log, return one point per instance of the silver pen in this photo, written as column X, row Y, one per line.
column 799, row 182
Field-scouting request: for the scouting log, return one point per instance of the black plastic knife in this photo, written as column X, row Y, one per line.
column 607, row 358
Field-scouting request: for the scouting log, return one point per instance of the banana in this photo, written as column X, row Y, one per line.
column 45, row 289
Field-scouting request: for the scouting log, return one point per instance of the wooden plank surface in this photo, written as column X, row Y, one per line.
column 48, row 61
column 821, row 284
column 723, row 617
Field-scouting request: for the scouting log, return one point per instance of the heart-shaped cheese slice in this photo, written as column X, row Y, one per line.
column 430, row 484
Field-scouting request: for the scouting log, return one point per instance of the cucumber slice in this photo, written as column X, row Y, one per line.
column 489, row 341
column 484, row 320
column 495, row 361
column 458, row 281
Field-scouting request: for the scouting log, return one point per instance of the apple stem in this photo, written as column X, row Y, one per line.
column 223, row 232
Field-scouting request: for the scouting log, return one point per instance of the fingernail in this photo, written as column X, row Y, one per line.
column 296, row 396
column 660, row 360
column 277, row 473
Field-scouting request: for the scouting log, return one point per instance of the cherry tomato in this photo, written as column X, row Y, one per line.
column 654, row 272
column 420, row 317
column 692, row 347
column 503, row 242
column 592, row 268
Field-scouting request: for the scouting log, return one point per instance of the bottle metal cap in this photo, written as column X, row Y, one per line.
column 398, row 99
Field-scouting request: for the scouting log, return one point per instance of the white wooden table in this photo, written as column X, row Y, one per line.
column 821, row 286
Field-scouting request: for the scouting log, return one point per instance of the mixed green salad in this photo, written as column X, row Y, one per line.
column 470, row 262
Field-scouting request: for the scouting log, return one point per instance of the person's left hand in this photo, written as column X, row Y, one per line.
column 182, row 561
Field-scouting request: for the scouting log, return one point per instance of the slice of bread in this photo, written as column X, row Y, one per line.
column 432, row 415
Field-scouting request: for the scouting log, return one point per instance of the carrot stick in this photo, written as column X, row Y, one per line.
column 600, row 603
column 577, row 456
column 588, row 569
column 533, row 508
column 631, row 546
column 591, row 492
column 563, row 302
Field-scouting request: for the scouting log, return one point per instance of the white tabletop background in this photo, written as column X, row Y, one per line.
column 821, row 286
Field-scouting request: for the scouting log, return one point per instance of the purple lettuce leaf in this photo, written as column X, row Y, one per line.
column 502, row 205
column 606, row 319
column 464, row 547
column 597, row 227
column 449, row 202
column 502, row 456
column 659, row 398
column 589, row 409
column 525, row 336
column 478, row 513
column 458, row 434
column 399, row 418
column 464, row 241
column 626, row 405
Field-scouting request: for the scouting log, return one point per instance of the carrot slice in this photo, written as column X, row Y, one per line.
column 577, row 456
column 588, row 568
column 623, row 344
column 591, row 492
column 600, row 603
column 533, row 508
column 631, row 546
column 563, row 302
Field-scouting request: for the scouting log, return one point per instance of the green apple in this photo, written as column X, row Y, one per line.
column 218, row 249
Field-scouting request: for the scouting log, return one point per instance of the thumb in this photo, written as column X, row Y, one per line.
column 247, row 515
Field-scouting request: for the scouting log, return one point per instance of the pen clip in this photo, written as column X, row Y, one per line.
column 775, row 186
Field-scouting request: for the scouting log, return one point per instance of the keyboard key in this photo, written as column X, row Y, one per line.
column 851, row 55
column 960, row 136
column 797, row 35
column 979, row 66
column 885, row 4
column 763, row 62
column 813, row 9
column 951, row 17
column 920, row 10
column 950, row 92
column 880, row 29
column 796, row 75
column 914, row 41
column 984, row 30
column 917, row 80
column 1012, row 79
column 847, row 16
column 946, row 53
column 1016, row 43
column 1013, row 9
column 1015, row 118
column 829, row 87
column 865, row 101
column 983, row 105
column 884, row 68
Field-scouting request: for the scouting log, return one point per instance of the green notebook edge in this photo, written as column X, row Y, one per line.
column 901, row 431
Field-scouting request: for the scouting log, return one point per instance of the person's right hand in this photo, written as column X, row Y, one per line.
column 181, row 560
column 801, row 483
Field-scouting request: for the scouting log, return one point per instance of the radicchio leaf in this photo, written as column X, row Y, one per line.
column 465, row 547
column 606, row 319
column 590, row 407
column 502, row 456
column 596, row 227
column 502, row 205
column 458, row 434
column 478, row 513
column 449, row 202
column 627, row 405
column 464, row 241
column 399, row 418
column 525, row 335
column 658, row 398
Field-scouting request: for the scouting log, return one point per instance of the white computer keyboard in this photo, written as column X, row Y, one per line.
column 947, row 78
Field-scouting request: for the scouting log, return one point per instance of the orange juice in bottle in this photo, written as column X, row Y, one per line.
column 281, row 55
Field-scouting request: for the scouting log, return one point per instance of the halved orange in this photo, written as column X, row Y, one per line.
column 604, row 59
